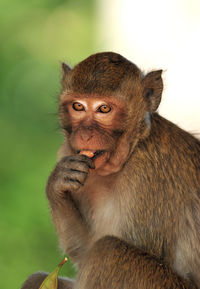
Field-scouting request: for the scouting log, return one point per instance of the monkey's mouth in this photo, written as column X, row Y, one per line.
column 91, row 154
column 98, row 154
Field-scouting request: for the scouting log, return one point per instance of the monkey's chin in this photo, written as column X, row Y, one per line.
column 101, row 159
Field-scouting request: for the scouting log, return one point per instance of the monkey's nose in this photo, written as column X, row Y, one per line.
column 86, row 135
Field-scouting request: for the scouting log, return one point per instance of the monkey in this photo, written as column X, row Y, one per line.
column 127, row 182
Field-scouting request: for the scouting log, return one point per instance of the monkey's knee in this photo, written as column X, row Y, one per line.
column 34, row 281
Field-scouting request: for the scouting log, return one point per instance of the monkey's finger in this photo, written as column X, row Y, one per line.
column 87, row 160
column 70, row 166
column 77, row 175
column 71, row 184
column 82, row 160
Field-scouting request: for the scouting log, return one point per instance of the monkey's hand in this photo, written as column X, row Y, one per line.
column 68, row 176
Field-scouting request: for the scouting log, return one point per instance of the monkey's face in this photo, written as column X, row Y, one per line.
column 105, row 108
column 94, row 125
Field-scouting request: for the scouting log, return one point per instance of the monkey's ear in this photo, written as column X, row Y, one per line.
column 65, row 71
column 152, row 89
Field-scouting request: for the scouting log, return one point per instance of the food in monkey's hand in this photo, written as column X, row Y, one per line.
column 89, row 154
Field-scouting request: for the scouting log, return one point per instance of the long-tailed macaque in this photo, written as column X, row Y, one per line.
column 125, row 193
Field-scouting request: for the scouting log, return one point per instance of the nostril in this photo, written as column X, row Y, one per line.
column 86, row 135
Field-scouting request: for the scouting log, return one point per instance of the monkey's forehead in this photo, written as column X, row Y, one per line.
column 128, row 91
column 102, row 73
column 69, row 96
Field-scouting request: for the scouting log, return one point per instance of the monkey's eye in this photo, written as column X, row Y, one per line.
column 104, row 108
column 78, row 106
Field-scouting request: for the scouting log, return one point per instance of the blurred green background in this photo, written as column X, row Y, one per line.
column 35, row 36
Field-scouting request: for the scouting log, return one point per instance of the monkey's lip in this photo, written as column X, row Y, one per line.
column 98, row 154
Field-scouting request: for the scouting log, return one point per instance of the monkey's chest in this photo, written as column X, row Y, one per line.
column 110, row 220
column 124, row 223
column 119, row 212
column 106, row 220
column 104, row 216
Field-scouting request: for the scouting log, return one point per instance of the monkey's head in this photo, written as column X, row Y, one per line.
column 105, row 108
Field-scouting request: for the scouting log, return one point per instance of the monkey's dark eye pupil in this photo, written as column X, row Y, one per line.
column 78, row 106
column 104, row 108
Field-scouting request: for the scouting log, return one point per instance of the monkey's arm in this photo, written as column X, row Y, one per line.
column 67, row 177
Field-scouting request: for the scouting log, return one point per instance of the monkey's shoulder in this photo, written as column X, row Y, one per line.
column 166, row 141
column 164, row 129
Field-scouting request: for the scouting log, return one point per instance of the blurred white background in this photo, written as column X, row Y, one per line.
column 159, row 35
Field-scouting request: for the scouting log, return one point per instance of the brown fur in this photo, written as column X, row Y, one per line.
column 125, row 266
column 146, row 193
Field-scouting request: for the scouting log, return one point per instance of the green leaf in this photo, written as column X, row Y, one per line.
column 51, row 281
